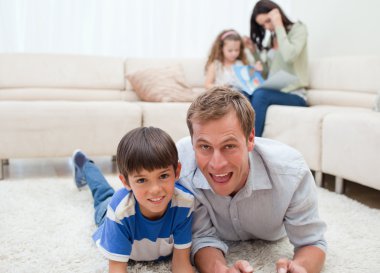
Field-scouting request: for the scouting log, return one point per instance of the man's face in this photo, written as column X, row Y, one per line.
column 221, row 152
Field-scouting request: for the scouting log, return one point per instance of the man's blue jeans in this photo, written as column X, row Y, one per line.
column 262, row 98
column 100, row 189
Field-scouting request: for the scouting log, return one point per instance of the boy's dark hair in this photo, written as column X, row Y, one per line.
column 147, row 148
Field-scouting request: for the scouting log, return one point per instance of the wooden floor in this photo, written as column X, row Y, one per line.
column 61, row 167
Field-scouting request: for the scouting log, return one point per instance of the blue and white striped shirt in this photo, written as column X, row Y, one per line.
column 127, row 234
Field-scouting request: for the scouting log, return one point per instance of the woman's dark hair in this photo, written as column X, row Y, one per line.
column 258, row 32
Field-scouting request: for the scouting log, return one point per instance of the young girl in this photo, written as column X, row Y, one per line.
column 226, row 51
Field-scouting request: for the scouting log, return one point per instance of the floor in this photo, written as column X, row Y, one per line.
column 61, row 167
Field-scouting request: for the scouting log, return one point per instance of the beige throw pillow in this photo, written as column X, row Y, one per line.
column 166, row 84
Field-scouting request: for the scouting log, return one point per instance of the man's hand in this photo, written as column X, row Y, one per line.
column 285, row 265
column 240, row 266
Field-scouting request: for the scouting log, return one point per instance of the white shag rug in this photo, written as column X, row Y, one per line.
column 46, row 226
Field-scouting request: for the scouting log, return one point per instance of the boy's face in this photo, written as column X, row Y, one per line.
column 221, row 152
column 153, row 190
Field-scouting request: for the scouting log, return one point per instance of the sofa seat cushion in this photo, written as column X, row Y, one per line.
column 28, row 94
column 300, row 127
column 57, row 128
column 170, row 116
column 340, row 98
column 351, row 146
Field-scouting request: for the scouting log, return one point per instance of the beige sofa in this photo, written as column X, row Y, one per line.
column 339, row 133
column 53, row 104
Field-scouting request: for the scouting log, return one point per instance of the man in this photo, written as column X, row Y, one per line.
column 246, row 188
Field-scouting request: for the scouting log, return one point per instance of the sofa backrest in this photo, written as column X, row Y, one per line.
column 24, row 70
column 346, row 81
column 193, row 68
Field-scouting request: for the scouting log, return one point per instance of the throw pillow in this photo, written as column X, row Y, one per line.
column 166, row 84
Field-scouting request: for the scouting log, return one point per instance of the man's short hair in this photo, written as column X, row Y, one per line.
column 147, row 148
column 216, row 103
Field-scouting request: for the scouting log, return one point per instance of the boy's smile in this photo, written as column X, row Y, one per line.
column 153, row 190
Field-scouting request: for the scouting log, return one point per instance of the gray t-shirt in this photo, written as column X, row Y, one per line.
column 278, row 199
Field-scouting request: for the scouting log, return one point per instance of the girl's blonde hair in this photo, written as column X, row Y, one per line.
column 216, row 52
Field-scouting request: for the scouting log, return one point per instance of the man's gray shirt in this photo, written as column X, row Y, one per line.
column 278, row 199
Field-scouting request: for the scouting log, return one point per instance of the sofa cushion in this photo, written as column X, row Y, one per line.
column 170, row 117
column 161, row 84
column 56, row 128
column 352, row 73
column 68, row 94
column 24, row 70
column 350, row 146
column 340, row 98
column 300, row 127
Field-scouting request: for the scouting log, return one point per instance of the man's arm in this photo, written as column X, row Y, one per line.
column 311, row 258
column 207, row 258
column 308, row 259
column 117, row 267
column 181, row 261
column 305, row 229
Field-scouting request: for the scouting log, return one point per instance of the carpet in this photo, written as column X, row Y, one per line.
column 46, row 226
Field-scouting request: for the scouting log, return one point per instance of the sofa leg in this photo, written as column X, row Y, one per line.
column 339, row 184
column 318, row 178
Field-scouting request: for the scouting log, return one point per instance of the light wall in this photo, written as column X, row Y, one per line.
column 340, row 27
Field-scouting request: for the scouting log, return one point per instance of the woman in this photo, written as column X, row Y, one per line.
column 286, row 50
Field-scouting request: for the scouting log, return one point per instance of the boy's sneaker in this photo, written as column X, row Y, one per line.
column 79, row 159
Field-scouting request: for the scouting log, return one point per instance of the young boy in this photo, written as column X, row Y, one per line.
column 150, row 218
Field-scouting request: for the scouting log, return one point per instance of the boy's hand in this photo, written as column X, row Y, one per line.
column 275, row 17
column 285, row 265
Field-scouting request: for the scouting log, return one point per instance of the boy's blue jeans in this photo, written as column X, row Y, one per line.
column 100, row 189
column 262, row 98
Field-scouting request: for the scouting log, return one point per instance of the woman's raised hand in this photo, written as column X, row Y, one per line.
column 275, row 17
